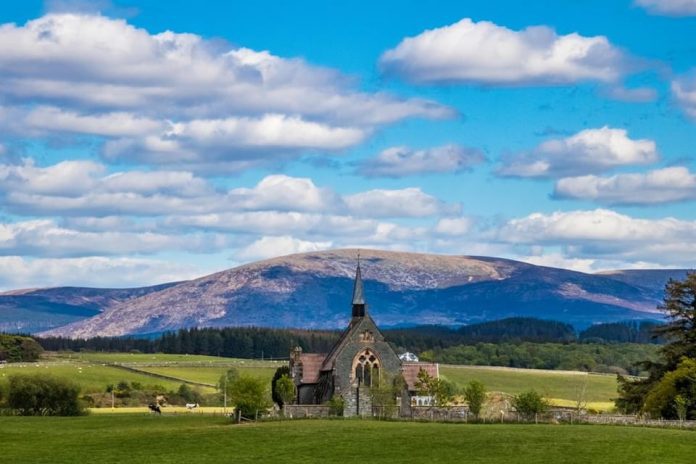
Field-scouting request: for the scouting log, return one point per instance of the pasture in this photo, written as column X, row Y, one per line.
column 205, row 439
column 94, row 371
column 560, row 386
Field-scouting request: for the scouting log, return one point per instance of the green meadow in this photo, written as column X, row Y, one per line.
column 94, row 371
column 205, row 439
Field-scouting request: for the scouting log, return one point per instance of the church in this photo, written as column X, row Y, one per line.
column 358, row 360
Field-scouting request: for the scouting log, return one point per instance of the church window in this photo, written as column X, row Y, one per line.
column 366, row 366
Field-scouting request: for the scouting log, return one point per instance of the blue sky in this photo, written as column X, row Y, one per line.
column 145, row 141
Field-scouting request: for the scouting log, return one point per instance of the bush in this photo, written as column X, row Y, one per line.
column 529, row 404
column 336, row 405
column 15, row 348
column 41, row 395
column 275, row 394
column 475, row 395
column 249, row 395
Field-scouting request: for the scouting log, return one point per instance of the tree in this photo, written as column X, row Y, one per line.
column 383, row 395
column 680, row 405
column 442, row 391
column 285, row 389
column 529, row 404
column 249, row 395
column 281, row 371
column 189, row 395
column 42, row 395
column 656, row 394
column 475, row 395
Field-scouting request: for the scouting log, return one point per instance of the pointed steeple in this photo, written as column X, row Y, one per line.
column 359, row 305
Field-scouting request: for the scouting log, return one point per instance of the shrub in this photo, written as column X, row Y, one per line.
column 249, row 395
column 336, row 405
column 475, row 395
column 275, row 394
column 41, row 395
column 529, row 404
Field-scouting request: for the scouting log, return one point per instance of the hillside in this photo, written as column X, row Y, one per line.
column 312, row 290
column 33, row 310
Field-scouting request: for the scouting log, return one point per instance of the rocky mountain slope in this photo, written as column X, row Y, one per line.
column 312, row 290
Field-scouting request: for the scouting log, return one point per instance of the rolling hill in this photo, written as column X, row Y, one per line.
column 312, row 290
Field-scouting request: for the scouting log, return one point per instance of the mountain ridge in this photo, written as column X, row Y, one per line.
column 312, row 290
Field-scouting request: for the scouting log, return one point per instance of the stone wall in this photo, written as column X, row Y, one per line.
column 300, row 411
column 615, row 419
column 447, row 413
column 351, row 399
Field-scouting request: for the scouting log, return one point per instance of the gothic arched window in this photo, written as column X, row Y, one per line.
column 366, row 368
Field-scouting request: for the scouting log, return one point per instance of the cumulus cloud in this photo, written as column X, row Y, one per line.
column 85, row 188
column 604, row 233
column 176, row 97
column 453, row 226
column 658, row 186
column 22, row 272
column 590, row 151
column 44, row 238
column 486, row 53
column 270, row 247
column 281, row 192
column 684, row 91
column 669, row 7
column 408, row 202
column 405, row 161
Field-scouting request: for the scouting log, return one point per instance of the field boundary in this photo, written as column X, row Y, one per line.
column 161, row 376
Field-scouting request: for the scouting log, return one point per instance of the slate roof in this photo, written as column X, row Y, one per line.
column 311, row 365
column 410, row 372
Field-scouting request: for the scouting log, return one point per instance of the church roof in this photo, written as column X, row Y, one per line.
column 311, row 365
column 411, row 370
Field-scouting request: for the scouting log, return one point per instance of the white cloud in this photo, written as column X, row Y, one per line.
column 587, row 152
column 654, row 187
column 114, row 124
column 453, row 226
column 270, row 247
column 684, row 91
column 22, row 272
column 669, row 7
column 44, row 238
column 408, row 202
column 93, row 62
column 558, row 260
column 486, row 53
column 405, row 161
column 198, row 144
column 605, row 234
column 281, row 192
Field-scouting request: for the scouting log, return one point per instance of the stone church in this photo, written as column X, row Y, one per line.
column 358, row 360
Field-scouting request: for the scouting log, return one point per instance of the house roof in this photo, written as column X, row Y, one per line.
column 311, row 365
column 411, row 369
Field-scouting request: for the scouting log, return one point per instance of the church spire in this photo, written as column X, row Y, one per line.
column 359, row 305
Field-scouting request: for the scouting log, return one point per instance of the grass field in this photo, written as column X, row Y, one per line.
column 93, row 371
column 91, row 377
column 205, row 439
column 210, row 375
column 561, row 385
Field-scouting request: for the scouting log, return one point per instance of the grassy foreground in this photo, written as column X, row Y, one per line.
column 205, row 439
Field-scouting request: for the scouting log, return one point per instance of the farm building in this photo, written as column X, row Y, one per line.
column 358, row 360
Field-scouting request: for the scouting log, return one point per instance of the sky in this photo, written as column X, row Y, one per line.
column 150, row 141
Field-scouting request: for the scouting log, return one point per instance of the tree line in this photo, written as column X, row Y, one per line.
column 257, row 342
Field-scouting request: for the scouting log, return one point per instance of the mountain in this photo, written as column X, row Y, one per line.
column 33, row 310
column 312, row 290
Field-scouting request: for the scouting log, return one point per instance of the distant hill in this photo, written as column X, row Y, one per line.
column 34, row 310
column 312, row 290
